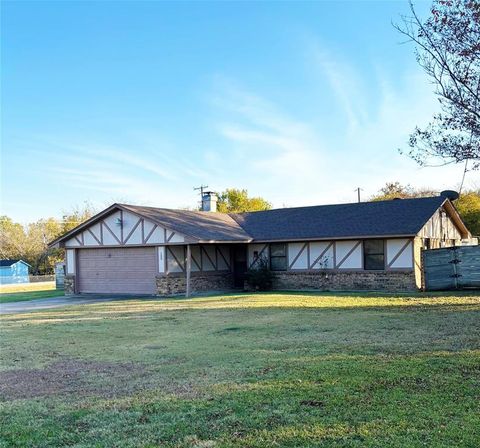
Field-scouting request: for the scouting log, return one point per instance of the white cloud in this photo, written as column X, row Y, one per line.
column 299, row 161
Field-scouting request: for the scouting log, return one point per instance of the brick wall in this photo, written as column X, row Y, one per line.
column 69, row 284
column 390, row 281
column 173, row 284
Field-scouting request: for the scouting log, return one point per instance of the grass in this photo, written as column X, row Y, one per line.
column 29, row 291
column 262, row 370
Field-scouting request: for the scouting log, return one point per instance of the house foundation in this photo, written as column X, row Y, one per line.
column 391, row 281
column 174, row 284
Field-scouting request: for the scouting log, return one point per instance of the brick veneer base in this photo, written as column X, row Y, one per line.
column 390, row 281
column 69, row 285
column 172, row 284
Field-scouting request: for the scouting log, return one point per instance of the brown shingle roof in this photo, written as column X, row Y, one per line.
column 203, row 226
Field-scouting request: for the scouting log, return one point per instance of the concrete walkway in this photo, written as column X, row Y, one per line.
column 58, row 302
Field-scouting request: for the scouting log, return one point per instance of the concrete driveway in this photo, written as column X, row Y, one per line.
column 58, row 302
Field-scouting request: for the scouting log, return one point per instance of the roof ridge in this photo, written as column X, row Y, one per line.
column 338, row 205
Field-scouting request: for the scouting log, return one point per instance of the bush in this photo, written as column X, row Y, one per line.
column 259, row 276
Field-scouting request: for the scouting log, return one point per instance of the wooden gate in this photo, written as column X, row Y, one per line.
column 452, row 268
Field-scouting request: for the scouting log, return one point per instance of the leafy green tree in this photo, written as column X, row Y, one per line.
column 395, row 190
column 12, row 239
column 234, row 200
column 30, row 242
column 468, row 205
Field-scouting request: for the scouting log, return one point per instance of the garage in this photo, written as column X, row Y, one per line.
column 117, row 270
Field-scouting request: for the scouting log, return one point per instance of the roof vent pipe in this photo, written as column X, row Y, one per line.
column 209, row 201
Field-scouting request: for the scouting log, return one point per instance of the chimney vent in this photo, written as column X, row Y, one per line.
column 209, row 201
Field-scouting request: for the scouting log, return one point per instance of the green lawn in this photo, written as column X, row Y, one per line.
column 266, row 370
column 29, row 295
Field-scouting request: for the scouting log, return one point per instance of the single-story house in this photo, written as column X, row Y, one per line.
column 361, row 246
column 13, row 271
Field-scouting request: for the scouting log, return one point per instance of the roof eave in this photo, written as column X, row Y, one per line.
column 243, row 241
column 457, row 219
column 60, row 241
column 334, row 238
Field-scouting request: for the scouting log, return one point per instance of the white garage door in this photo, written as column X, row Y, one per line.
column 122, row 270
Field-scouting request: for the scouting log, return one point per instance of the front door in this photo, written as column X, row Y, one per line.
column 239, row 264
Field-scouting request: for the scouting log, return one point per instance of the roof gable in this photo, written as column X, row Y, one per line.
column 179, row 226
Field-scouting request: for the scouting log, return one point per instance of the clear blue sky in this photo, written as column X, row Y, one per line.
column 141, row 101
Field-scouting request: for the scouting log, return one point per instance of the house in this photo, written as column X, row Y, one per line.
column 371, row 246
column 13, row 271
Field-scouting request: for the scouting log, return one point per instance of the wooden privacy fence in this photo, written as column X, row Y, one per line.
column 451, row 268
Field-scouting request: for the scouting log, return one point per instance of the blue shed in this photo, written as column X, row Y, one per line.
column 13, row 271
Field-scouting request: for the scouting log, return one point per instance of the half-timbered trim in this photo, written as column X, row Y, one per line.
column 150, row 233
column 203, row 250
column 263, row 252
column 132, row 231
column 320, row 257
column 94, row 236
column 297, row 256
column 397, row 255
column 227, row 262
column 178, row 262
column 198, row 263
column 348, row 254
column 111, row 232
column 121, row 227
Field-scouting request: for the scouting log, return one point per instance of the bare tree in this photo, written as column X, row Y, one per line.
column 448, row 49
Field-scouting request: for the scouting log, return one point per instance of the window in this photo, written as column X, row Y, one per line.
column 373, row 255
column 278, row 257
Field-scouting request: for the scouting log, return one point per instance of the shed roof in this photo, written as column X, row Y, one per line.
column 10, row 262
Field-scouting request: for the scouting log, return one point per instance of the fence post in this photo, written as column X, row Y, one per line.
column 454, row 263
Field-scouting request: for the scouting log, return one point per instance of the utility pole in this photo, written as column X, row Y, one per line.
column 358, row 190
column 202, row 189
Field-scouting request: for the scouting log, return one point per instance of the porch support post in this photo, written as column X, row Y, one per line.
column 188, row 269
